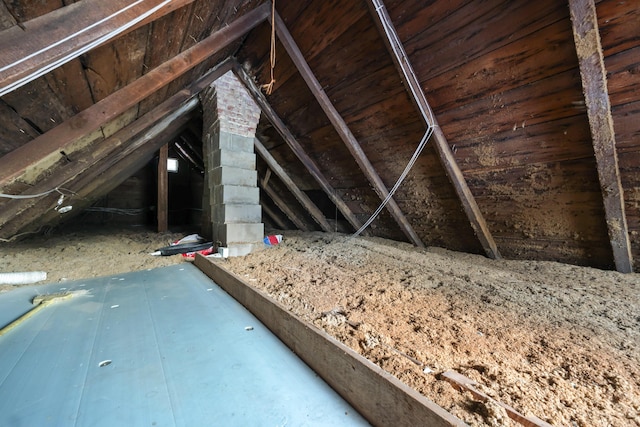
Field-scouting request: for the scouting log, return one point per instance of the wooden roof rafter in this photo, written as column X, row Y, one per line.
column 20, row 160
column 594, row 83
column 295, row 146
column 28, row 50
column 281, row 203
column 343, row 130
column 447, row 159
column 304, row 200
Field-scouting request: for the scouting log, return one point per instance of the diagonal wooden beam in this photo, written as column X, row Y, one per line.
column 594, row 84
column 110, row 171
column 304, row 200
column 295, row 146
column 24, row 158
column 56, row 38
column 282, row 205
column 416, row 93
column 94, row 152
column 342, row 129
column 274, row 216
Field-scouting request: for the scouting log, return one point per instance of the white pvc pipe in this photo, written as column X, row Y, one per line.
column 22, row 278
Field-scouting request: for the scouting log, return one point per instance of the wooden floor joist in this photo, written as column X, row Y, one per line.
column 462, row 383
column 377, row 395
column 20, row 160
column 594, row 84
column 295, row 146
column 343, row 130
column 416, row 93
column 304, row 200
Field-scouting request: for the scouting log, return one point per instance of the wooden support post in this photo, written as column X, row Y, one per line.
column 182, row 103
column 295, row 146
column 416, row 93
column 283, row 206
column 304, row 200
column 163, row 189
column 594, row 85
column 18, row 161
column 51, row 40
column 111, row 171
column 343, row 130
column 377, row 395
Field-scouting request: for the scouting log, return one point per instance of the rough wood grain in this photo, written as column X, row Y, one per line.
column 304, row 200
column 474, row 215
column 92, row 159
column 283, row 205
column 22, row 159
column 31, row 52
column 463, row 383
column 162, row 207
column 295, row 146
column 594, row 82
column 343, row 130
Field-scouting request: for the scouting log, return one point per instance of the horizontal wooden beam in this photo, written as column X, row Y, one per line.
column 343, row 130
column 295, row 146
column 594, row 84
column 416, row 93
column 56, row 38
column 91, row 155
column 26, row 157
column 304, row 200
column 377, row 395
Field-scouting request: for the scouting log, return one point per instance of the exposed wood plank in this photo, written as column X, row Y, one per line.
column 92, row 156
column 20, row 160
column 295, row 146
column 594, row 83
column 275, row 217
column 162, row 207
column 469, row 204
column 380, row 397
column 108, row 173
column 304, row 200
column 343, row 130
column 66, row 33
column 283, row 206
column 463, row 383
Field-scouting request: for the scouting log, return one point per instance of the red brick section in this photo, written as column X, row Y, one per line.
column 237, row 112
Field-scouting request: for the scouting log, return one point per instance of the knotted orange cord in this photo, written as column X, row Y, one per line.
column 268, row 88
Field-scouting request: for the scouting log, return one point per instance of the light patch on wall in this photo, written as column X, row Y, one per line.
column 172, row 165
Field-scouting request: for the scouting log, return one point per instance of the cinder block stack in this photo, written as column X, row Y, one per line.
column 230, row 117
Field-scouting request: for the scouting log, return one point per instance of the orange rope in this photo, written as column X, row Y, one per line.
column 268, row 88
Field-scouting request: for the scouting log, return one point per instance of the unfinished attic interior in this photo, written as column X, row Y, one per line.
column 456, row 184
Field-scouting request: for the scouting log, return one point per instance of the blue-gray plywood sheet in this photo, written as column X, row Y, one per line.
column 180, row 354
